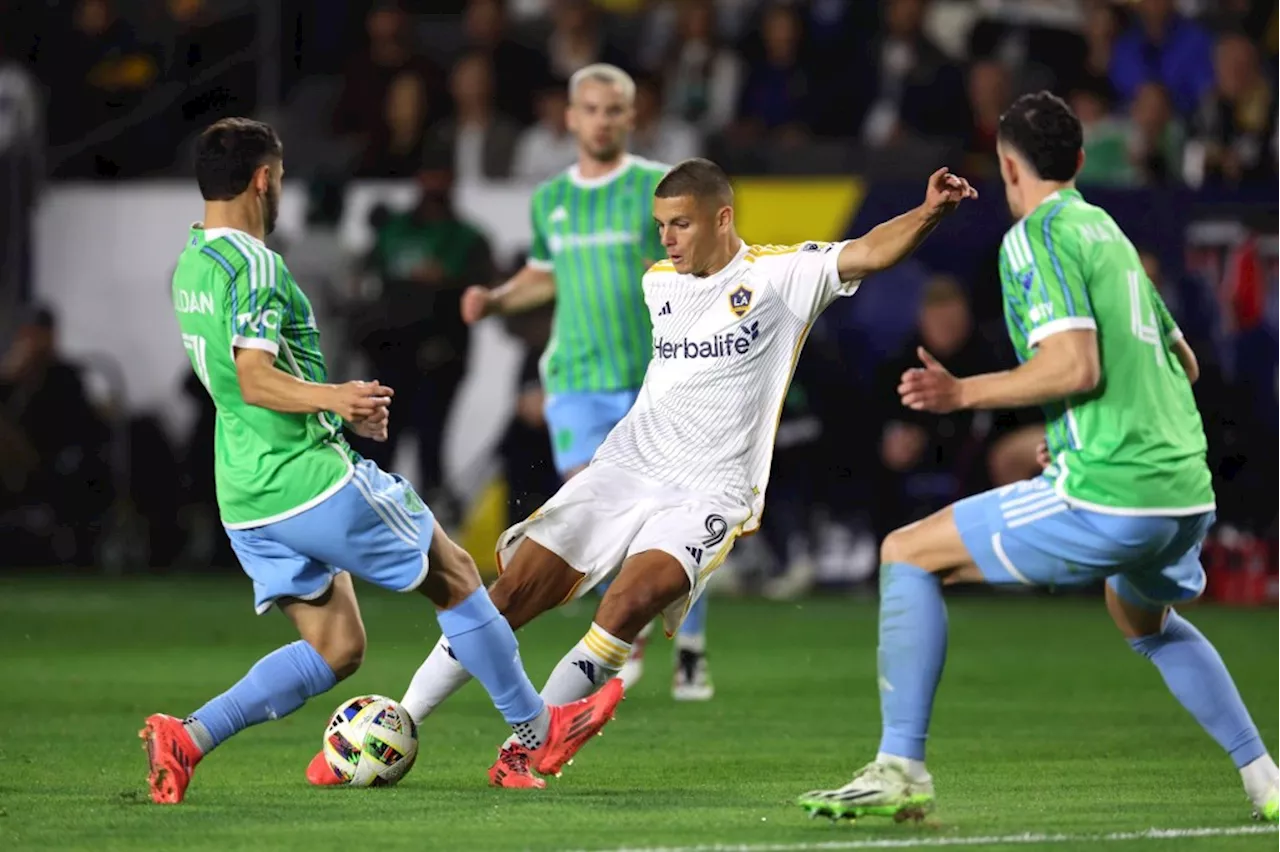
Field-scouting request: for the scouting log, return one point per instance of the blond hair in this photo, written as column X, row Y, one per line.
column 603, row 72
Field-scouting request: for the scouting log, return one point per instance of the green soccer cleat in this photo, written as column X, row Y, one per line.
column 877, row 789
column 1269, row 811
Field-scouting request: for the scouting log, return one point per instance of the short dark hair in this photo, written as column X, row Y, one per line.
column 1046, row 132
column 698, row 177
column 229, row 151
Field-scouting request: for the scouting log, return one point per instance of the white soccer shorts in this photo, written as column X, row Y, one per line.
column 606, row 514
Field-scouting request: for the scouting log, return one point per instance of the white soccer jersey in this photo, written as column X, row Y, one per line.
column 724, row 349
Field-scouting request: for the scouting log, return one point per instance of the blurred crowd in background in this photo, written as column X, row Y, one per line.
column 1171, row 94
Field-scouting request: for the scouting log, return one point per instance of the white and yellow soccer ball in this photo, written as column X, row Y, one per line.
column 371, row 741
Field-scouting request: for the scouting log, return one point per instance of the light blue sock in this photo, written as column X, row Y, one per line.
column 695, row 623
column 1198, row 678
column 278, row 684
column 913, row 648
column 481, row 640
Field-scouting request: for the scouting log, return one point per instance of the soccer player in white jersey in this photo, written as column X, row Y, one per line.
column 593, row 239
column 684, row 473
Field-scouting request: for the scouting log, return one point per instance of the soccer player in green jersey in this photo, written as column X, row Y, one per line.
column 1125, row 494
column 593, row 239
column 302, row 510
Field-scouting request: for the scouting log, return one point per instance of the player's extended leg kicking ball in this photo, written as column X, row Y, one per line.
column 1126, row 493
column 579, row 422
column 684, row 473
column 300, row 507
column 601, row 339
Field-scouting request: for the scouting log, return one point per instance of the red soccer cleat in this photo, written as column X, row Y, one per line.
column 321, row 774
column 511, row 769
column 572, row 725
column 172, row 756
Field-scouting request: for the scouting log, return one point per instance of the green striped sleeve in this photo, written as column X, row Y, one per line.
column 1044, row 248
column 1012, row 298
column 258, row 297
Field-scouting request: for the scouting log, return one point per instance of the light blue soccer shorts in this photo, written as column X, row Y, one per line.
column 1026, row 533
column 374, row 527
column 579, row 422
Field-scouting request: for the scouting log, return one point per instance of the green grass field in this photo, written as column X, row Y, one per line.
column 1046, row 724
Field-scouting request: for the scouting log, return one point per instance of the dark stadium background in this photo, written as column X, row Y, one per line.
column 828, row 114
column 119, row 596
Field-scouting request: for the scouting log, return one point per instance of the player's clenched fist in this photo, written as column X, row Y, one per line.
column 374, row 426
column 946, row 191
column 354, row 401
column 476, row 303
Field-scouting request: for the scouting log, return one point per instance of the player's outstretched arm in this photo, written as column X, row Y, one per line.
column 889, row 242
column 1065, row 364
column 264, row 385
column 529, row 288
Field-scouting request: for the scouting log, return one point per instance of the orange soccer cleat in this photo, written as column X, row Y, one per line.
column 572, row 725
column 321, row 774
column 511, row 769
column 172, row 756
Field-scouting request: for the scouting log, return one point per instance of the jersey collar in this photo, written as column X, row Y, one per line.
column 575, row 174
column 211, row 234
column 731, row 268
column 1069, row 194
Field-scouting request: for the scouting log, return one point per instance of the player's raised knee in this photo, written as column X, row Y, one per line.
column 624, row 614
column 649, row 582
column 898, row 546
column 452, row 576
column 343, row 650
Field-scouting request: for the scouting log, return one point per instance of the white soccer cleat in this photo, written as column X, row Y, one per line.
column 692, row 680
column 877, row 789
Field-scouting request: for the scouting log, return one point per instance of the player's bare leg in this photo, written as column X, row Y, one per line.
column 648, row 583
column 633, row 669
column 331, row 649
column 332, row 625
column 1198, row 678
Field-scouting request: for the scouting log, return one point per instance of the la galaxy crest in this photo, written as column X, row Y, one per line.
column 740, row 300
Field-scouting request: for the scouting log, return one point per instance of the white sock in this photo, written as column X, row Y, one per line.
column 593, row 661
column 199, row 735
column 439, row 676
column 913, row 769
column 1260, row 779
column 533, row 733
column 644, row 634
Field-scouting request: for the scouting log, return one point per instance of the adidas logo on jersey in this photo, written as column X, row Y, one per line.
column 695, row 552
column 737, row 342
column 558, row 215
column 665, row 310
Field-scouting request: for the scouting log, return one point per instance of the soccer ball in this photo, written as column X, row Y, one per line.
column 371, row 741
